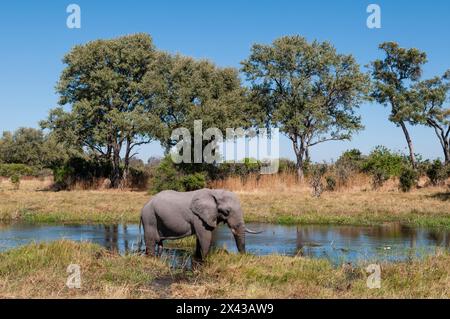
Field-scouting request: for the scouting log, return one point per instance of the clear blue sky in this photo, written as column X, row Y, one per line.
column 34, row 38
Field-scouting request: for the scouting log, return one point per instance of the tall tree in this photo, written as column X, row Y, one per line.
column 103, row 85
column 430, row 98
column 184, row 90
column 394, row 78
column 308, row 90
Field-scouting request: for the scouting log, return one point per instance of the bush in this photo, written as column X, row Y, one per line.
column 378, row 178
column 408, row 179
column 437, row 172
column 316, row 174
column 331, row 183
column 8, row 170
column 138, row 177
column 168, row 176
column 383, row 164
column 193, row 182
column 15, row 180
column 348, row 164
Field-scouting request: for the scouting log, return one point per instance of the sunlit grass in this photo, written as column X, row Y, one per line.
column 422, row 207
column 39, row 270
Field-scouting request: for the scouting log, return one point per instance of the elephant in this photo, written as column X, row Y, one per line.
column 174, row 215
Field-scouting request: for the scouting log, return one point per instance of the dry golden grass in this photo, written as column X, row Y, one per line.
column 426, row 206
column 39, row 271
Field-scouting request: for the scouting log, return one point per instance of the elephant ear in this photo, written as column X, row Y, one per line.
column 204, row 205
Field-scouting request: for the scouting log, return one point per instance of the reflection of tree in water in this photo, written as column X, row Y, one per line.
column 441, row 238
column 112, row 237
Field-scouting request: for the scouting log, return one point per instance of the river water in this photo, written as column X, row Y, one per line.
column 339, row 244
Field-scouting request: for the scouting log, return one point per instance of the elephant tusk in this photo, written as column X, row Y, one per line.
column 252, row 231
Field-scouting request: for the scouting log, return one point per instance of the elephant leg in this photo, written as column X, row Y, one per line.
column 204, row 240
column 160, row 248
column 151, row 238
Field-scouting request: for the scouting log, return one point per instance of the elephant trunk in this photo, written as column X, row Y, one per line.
column 239, row 237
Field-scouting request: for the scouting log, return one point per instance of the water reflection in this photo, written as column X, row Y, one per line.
column 337, row 243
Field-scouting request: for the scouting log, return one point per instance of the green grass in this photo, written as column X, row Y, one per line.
column 39, row 271
column 424, row 207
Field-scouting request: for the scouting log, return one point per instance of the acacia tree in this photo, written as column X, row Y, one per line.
column 308, row 90
column 103, row 86
column 430, row 98
column 394, row 78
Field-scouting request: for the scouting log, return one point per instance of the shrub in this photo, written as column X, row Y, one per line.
column 193, row 182
column 168, row 176
column 437, row 172
column 383, row 164
column 316, row 174
column 378, row 178
column 62, row 177
column 138, row 177
column 331, row 183
column 348, row 164
column 8, row 170
column 15, row 180
column 80, row 170
column 383, row 160
column 286, row 166
column 408, row 179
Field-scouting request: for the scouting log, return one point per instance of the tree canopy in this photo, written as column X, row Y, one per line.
column 430, row 100
column 394, row 78
column 103, row 84
column 182, row 90
column 308, row 90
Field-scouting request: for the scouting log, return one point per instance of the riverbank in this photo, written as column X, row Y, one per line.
column 428, row 207
column 40, row 271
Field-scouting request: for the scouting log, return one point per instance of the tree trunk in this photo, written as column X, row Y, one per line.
column 300, row 152
column 115, row 176
column 412, row 157
column 126, row 166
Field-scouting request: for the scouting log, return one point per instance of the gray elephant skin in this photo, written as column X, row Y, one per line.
column 173, row 215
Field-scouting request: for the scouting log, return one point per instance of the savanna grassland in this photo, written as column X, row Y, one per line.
column 429, row 206
column 39, row 271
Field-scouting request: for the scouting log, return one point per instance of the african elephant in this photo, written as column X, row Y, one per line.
column 174, row 215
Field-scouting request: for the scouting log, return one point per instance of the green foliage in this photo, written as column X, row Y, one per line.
column 31, row 147
column 394, row 77
column 184, row 90
column 408, row 179
column 383, row 164
column 168, row 176
column 80, row 169
column 193, row 182
column 103, row 84
column 308, row 90
column 393, row 81
column 8, row 170
column 429, row 98
column 382, row 160
column 438, row 172
column 15, row 180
